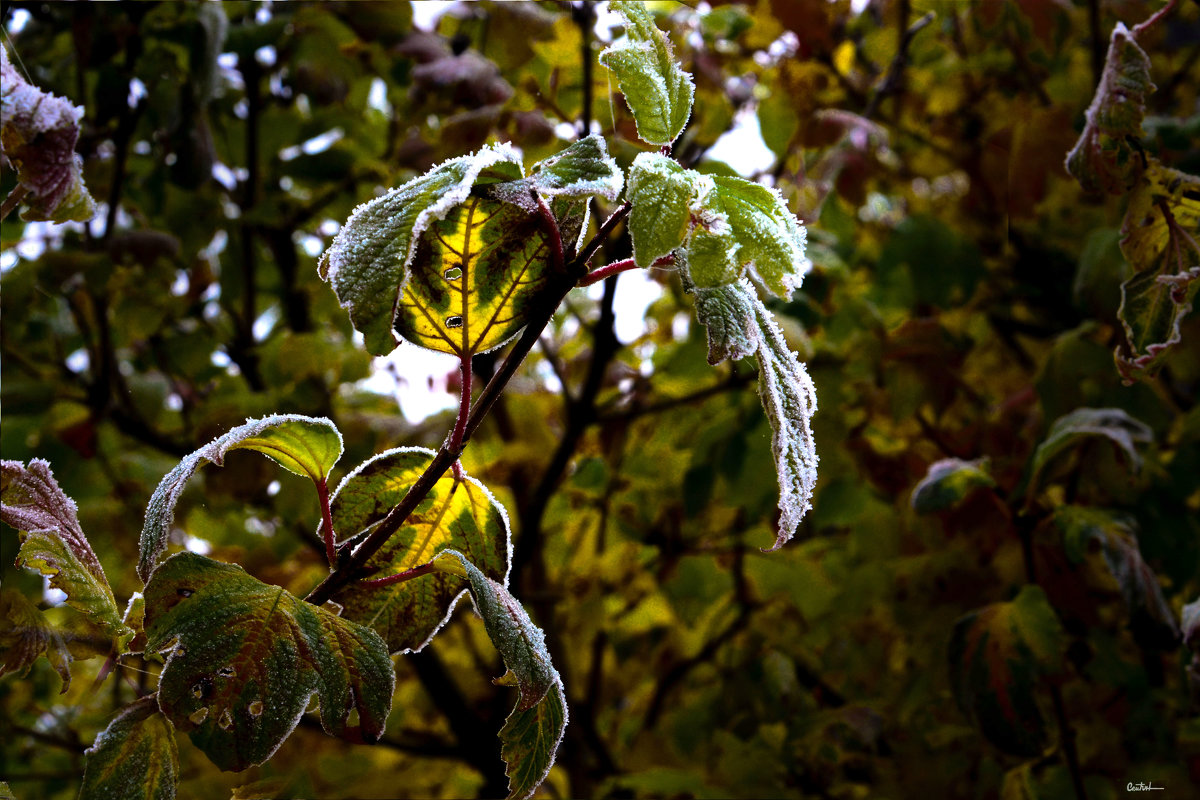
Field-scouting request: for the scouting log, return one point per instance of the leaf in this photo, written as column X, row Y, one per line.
column 307, row 446
column 473, row 278
column 738, row 325
column 998, row 656
column 246, row 657
column 948, row 482
column 54, row 544
column 457, row 513
column 657, row 90
column 367, row 262
column 134, row 758
column 770, row 240
column 660, row 194
column 1117, row 537
column 25, row 634
column 536, row 725
column 529, row 740
column 1159, row 239
column 1076, row 428
column 1103, row 159
column 38, row 132
column 583, row 169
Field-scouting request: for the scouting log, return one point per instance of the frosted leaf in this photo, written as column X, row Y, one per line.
column 657, row 90
column 530, row 739
column 582, row 170
column 367, row 262
column 308, row 446
column 660, row 195
column 53, row 543
column 134, row 758
column 738, row 325
column 948, row 482
column 240, row 646
column 458, row 513
column 25, row 634
column 38, row 132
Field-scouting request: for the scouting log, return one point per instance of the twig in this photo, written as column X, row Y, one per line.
column 894, row 78
column 617, row 267
column 13, row 200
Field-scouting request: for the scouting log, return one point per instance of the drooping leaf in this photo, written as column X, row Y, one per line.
column 998, row 657
column 134, row 758
column 948, row 482
column 367, row 262
column 473, row 278
column 308, row 446
column 530, row 737
column 38, row 132
column 738, row 325
column 457, row 513
column 25, row 634
column 657, row 90
column 54, row 544
column 1159, row 239
column 660, row 194
column 529, row 740
column 1103, row 159
column 1117, row 537
column 245, row 658
column 1114, row 424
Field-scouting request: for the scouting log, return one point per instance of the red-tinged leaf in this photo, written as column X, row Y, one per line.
column 998, row 658
column 245, row 658
column 53, row 543
column 134, row 758
column 530, row 739
column 25, row 634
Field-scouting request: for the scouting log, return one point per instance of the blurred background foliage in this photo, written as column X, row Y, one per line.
column 963, row 298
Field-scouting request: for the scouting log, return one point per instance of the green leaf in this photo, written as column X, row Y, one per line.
column 37, row 137
column 583, row 169
column 246, row 657
column 458, row 513
column 529, row 740
column 25, row 634
column 998, row 657
column 1080, row 426
column 5, row 792
column 367, row 263
column 1116, row 535
column 1103, row 159
column 308, row 446
column 134, row 758
column 660, row 194
column 473, row 278
column 536, row 725
column 657, row 90
column 54, row 544
column 948, row 482
column 740, row 325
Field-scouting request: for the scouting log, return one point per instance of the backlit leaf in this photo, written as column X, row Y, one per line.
column 25, row 634
column 948, row 482
column 245, row 658
column 134, row 758
column 998, row 657
column 367, row 263
column 1103, row 159
column 529, row 740
column 660, row 194
column 38, row 132
column 473, row 277
column 458, row 514
column 1076, row 428
column 658, row 91
column 53, row 543
column 308, row 446
column 531, row 735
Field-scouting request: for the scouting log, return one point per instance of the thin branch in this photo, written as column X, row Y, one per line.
column 893, row 81
column 13, row 200
column 400, row 577
column 327, row 522
column 617, row 267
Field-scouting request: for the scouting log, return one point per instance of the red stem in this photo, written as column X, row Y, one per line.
column 617, row 267
column 1153, row 19
column 13, row 200
column 327, row 523
column 400, row 577
column 464, row 404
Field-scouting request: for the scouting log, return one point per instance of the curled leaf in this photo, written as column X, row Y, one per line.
column 582, row 169
column 308, row 446
column 134, row 758
column 658, row 91
column 948, row 482
column 38, row 132
column 1069, row 431
column 25, row 634
column 246, row 657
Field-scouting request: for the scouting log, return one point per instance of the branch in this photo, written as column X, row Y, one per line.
column 894, row 80
column 13, row 200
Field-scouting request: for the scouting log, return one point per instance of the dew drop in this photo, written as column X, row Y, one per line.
column 452, row 273
column 454, row 322
column 226, row 721
column 255, row 708
column 198, row 716
column 184, row 592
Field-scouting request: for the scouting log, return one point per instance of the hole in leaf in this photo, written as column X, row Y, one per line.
column 255, row 708
column 454, row 322
column 198, row 716
column 226, row 721
column 452, row 273
column 202, row 688
column 184, row 592
column 226, row 672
